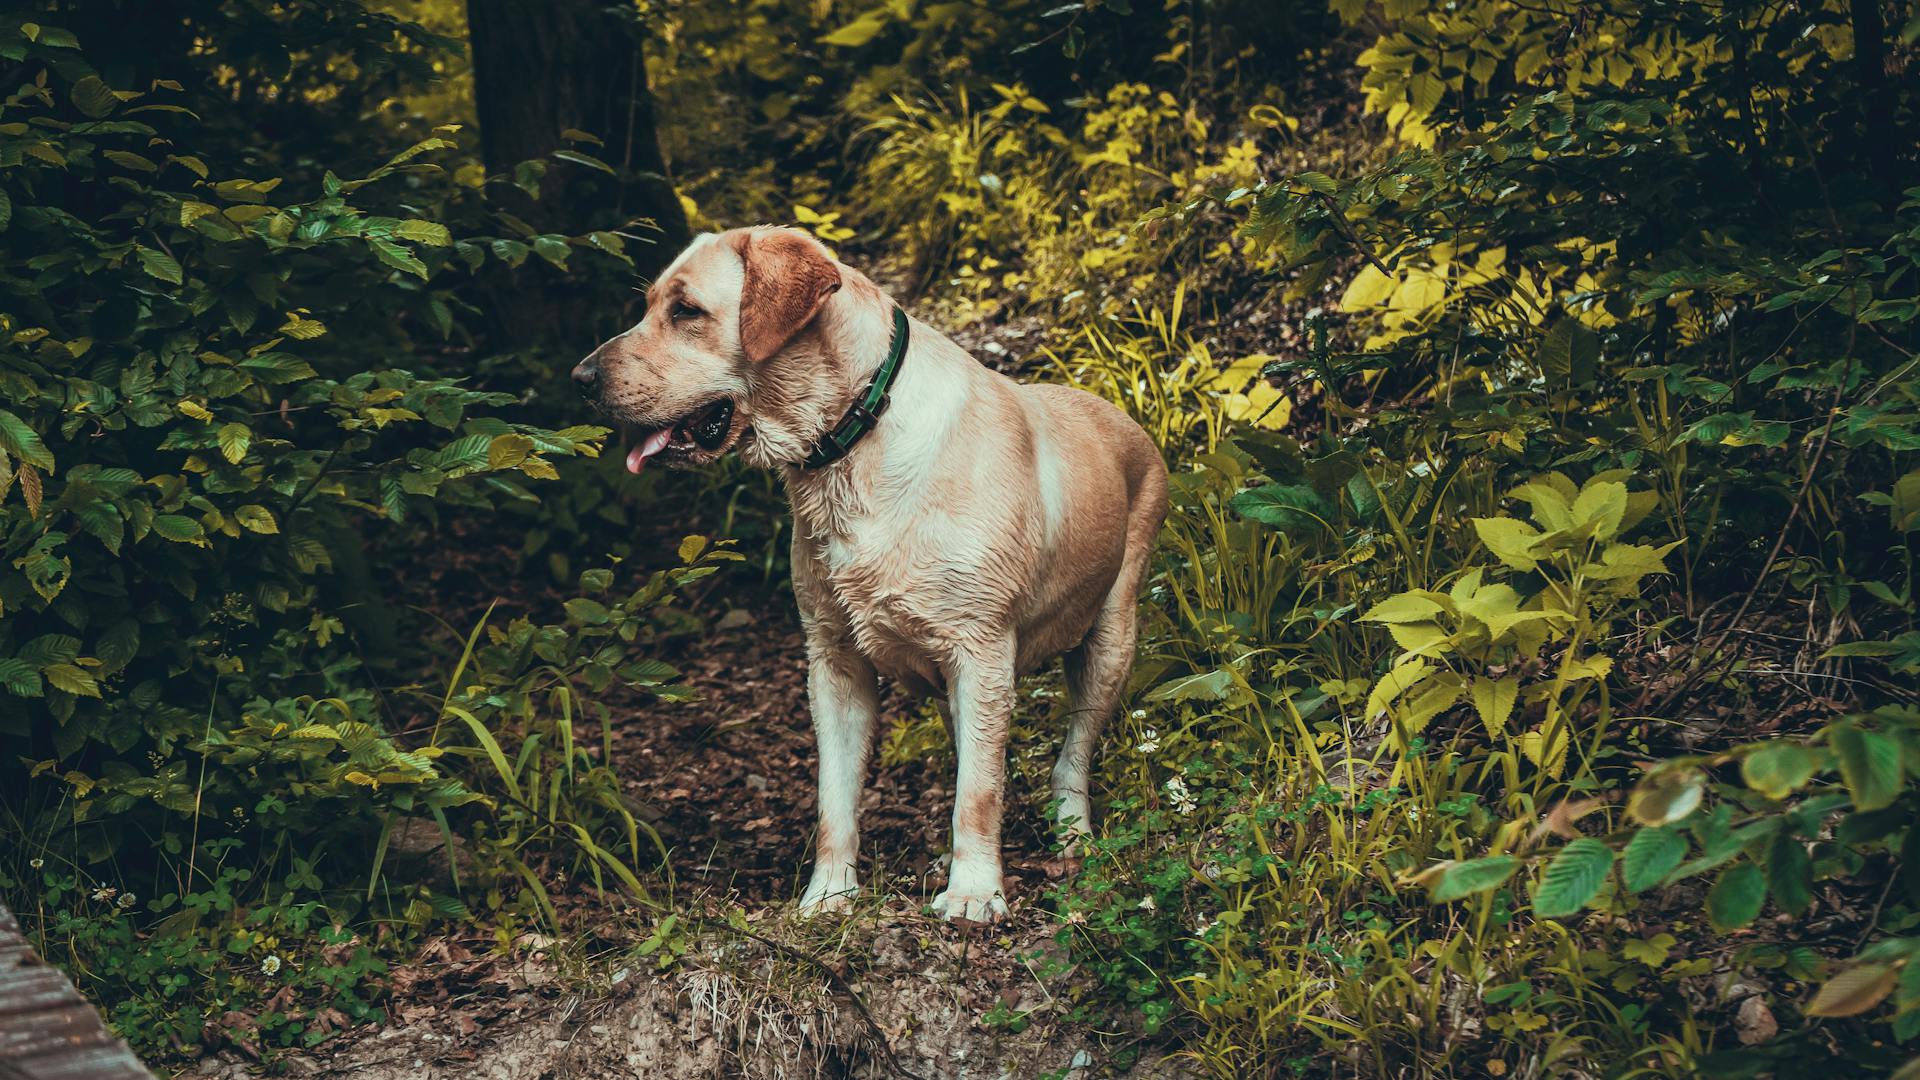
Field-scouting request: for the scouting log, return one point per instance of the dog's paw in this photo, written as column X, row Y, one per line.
column 956, row 906
column 831, row 896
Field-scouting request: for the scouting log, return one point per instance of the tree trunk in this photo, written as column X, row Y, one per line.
column 540, row 69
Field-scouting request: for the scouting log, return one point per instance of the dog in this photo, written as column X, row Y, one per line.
column 952, row 528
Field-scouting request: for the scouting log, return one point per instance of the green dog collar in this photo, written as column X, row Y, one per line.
column 866, row 410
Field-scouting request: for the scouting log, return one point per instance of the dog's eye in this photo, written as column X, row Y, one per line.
column 682, row 311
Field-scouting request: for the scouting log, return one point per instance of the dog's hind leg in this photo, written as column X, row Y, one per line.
column 844, row 695
column 1096, row 676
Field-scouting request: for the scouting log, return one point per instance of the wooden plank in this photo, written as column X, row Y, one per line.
column 48, row 1031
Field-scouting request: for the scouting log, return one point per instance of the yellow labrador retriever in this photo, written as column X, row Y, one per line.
column 952, row 528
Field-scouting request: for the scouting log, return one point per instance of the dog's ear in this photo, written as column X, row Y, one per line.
column 789, row 277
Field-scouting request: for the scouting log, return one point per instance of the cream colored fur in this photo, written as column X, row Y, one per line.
column 983, row 528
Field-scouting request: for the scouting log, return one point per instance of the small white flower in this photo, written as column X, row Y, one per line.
column 1210, row 871
column 1139, row 714
column 1182, row 798
column 1200, row 928
column 125, row 901
column 1146, row 904
column 104, row 894
column 1151, row 743
column 271, row 965
column 36, row 863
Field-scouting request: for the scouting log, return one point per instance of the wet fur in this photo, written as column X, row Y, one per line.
column 983, row 528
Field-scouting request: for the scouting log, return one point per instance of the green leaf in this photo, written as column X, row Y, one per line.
column 93, row 97
column 1510, row 540
column 1780, row 768
column 72, row 678
column 1403, row 607
column 425, row 232
column 1493, row 699
column 397, row 257
column 586, row 611
column 859, row 31
column 553, row 249
column 1572, row 878
column 1206, row 686
column 1650, row 856
column 1602, row 505
column 20, row 678
column 1569, row 352
column 588, row 160
column 158, row 264
column 1790, row 874
column 234, row 440
column 1665, row 796
column 20, row 440
column 1283, row 506
column 1464, row 879
column 1736, row 899
column 178, row 528
column 1870, row 764
column 256, row 518
column 691, row 547
column 1854, row 990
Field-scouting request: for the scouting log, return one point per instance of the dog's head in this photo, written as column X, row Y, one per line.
column 695, row 376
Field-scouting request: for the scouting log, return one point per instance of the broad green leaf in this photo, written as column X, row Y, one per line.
column 1401, row 678
column 93, row 97
column 691, row 547
column 1780, row 768
column 859, row 31
column 1206, row 686
column 586, row 611
column 179, row 529
column 234, row 441
column 1369, row 288
column 20, row 440
column 1790, row 874
column 1650, row 856
column 1284, row 506
column 72, row 678
column 158, row 264
column 1510, row 540
column 1493, row 699
column 256, row 518
column 1854, row 990
column 1665, row 796
column 1572, row 878
column 1735, row 900
column 1601, row 505
column 507, row 451
column 1403, row 607
column 1870, row 764
column 424, row 232
column 1463, row 879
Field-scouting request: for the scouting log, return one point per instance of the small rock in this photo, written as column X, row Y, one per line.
column 1755, row 1023
column 756, row 782
column 1081, row 1060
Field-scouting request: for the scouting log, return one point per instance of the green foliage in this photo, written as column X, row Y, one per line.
column 221, row 403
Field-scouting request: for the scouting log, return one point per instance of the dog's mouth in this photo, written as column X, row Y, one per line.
column 703, row 433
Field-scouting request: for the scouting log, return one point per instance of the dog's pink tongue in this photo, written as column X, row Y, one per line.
column 651, row 445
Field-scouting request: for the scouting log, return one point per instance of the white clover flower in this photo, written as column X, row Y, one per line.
column 271, row 965
column 1139, row 714
column 1210, row 871
column 126, row 901
column 1146, row 904
column 1151, row 743
column 1200, row 928
column 104, row 893
column 36, row 863
column 1182, row 798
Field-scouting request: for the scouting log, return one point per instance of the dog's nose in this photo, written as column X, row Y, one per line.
column 586, row 376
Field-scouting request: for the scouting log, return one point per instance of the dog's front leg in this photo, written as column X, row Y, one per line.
column 980, row 683
column 844, row 694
